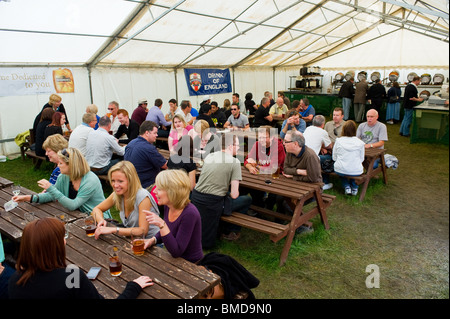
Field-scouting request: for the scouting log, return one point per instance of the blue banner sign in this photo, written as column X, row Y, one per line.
column 208, row 81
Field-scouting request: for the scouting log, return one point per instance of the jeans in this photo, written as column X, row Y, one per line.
column 323, row 158
column 406, row 123
column 104, row 170
column 348, row 182
column 346, row 104
column 393, row 111
column 241, row 205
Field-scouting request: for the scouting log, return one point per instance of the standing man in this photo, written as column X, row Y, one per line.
column 235, row 100
column 346, row 93
column 262, row 115
column 128, row 129
column 410, row 100
column 361, row 89
column 100, row 146
column 144, row 155
column 334, row 127
column 140, row 113
column 113, row 108
column 376, row 94
column 236, row 119
column 156, row 115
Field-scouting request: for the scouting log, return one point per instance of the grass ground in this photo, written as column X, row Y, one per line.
column 401, row 227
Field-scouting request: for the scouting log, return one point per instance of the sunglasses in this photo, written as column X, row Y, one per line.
column 65, row 153
column 234, row 109
column 110, row 109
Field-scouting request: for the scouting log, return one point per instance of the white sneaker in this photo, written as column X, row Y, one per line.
column 354, row 191
column 327, row 186
column 390, row 122
column 348, row 190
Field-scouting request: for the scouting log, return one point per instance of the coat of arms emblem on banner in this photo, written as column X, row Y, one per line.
column 196, row 81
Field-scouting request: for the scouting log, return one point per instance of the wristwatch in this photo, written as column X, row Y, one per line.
column 117, row 230
column 371, row 145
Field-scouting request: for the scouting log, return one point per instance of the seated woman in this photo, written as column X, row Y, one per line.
column 55, row 127
column 52, row 145
column 183, row 159
column 42, row 269
column 76, row 187
column 179, row 129
column 39, row 133
column 180, row 230
column 348, row 156
column 130, row 198
column 204, row 141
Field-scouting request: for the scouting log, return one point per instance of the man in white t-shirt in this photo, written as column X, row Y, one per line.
column 79, row 135
column 185, row 111
column 113, row 108
column 318, row 140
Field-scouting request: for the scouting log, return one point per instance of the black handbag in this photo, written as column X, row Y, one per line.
column 393, row 99
column 327, row 166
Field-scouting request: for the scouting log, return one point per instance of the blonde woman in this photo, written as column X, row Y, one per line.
column 52, row 145
column 130, row 198
column 180, row 230
column 179, row 128
column 54, row 102
column 76, row 187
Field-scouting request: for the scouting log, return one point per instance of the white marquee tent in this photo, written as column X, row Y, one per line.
column 125, row 50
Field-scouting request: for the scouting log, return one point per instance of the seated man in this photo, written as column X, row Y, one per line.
column 113, row 108
column 262, row 115
column 128, row 129
column 155, row 115
column 373, row 133
column 185, row 111
column 217, row 116
column 236, row 119
column 144, row 155
column 301, row 163
column 266, row 156
column 100, row 147
column 293, row 122
column 211, row 194
column 334, row 127
column 306, row 111
column 278, row 109
column 205, row 114
column 79, row 135
column 318, row 140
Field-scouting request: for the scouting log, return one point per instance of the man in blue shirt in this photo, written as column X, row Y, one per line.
column 156, row 115
column 144, row 155
column 306, row 111
column 293, row 122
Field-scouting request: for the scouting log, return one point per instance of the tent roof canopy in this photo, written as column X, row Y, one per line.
column 225, row 33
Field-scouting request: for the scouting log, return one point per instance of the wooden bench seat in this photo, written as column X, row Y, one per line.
column 37, row 160
column 276, row 231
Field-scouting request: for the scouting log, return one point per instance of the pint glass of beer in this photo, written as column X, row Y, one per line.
column 137, row 241
column 276, row 173
column 114, row 260
column 90, row 225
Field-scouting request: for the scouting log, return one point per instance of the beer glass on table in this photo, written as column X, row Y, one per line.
column 137, row 241
column 114, row 260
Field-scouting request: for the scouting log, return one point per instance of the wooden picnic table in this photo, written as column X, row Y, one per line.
column 5, row 183
column 371, row 155
column 296, row 194
column 13, row 222
column 174, row 278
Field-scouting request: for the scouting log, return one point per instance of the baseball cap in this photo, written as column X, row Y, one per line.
column 142, row 101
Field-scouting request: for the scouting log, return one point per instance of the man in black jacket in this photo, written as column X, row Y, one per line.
column 376, row 94
column 346, row 93
column 128, row 127
column 410, row 100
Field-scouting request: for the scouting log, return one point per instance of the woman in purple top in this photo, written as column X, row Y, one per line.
column 180, row 231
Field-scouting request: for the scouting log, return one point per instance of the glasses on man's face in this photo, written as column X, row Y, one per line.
column 287, row 142
column 234, row 109
column 111, row 109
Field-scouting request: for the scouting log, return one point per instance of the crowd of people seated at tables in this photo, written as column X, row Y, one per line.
column 165, row 198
